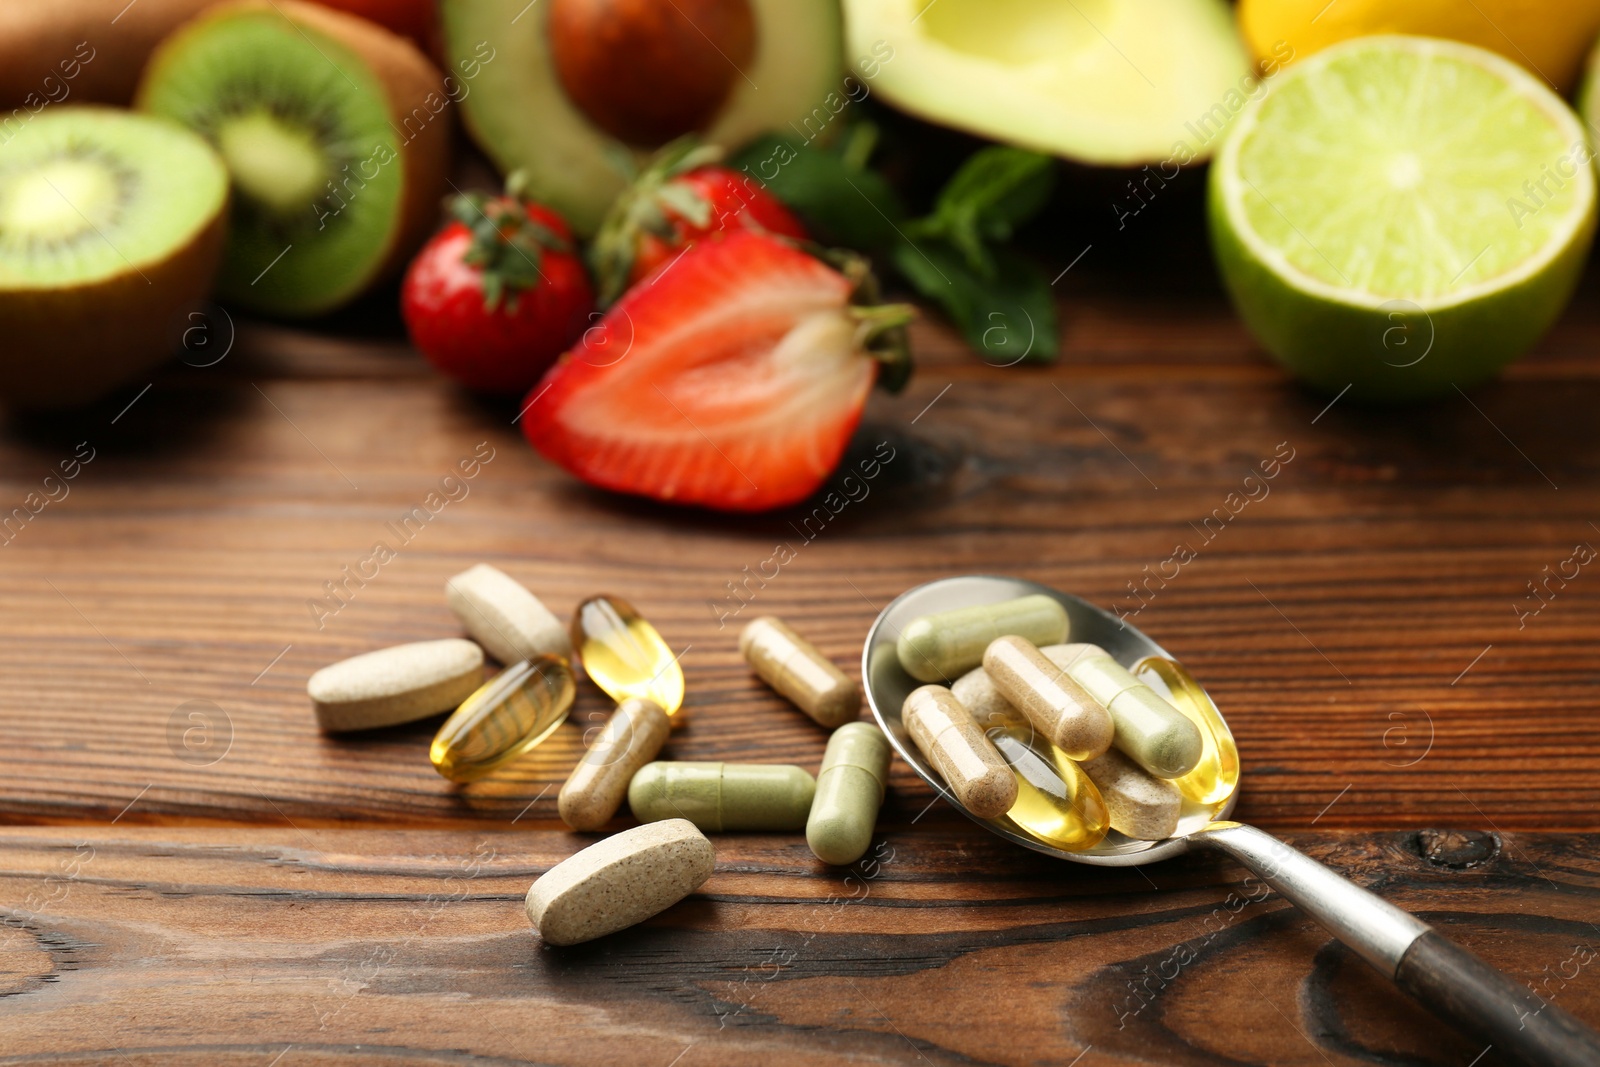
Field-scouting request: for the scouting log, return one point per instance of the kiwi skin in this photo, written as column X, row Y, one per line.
column 42, row 42
column 409, row 80
column 68, row 345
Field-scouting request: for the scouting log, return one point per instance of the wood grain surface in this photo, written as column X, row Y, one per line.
column 1366, row 623
column 199, row 946
column 193, row 874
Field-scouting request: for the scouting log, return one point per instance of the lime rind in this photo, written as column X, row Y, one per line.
column 1458, row 280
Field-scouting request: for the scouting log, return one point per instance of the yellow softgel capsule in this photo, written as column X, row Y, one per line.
column 507, row 716
column 624, row 655
column 1216, row 775
column 1056, row 802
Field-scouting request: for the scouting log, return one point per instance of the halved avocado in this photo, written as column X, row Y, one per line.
column 1112, row 82
column 514, row 103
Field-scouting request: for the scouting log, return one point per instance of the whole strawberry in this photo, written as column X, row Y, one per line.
column 733, row 380
column 683, row 197
column 497, row 294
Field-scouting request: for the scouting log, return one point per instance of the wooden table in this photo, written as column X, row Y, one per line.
column 191, row 873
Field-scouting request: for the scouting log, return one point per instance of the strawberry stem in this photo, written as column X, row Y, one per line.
column 873, row 322
column 881, row 332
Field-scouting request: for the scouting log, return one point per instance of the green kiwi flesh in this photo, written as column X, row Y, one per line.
column 111, row 227
column 303, row 124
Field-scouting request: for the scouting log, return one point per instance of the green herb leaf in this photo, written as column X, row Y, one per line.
column 840, row 205
column 995, row 190
column 1009, row 317
column 998, row 188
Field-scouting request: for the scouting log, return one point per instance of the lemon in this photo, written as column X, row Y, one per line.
column 1549, row 37
column 1398, row 215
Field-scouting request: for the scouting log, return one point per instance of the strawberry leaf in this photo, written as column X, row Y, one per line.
column 507, row 244
column 640, row 209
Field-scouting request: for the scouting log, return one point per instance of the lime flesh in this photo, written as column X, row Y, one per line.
column 1400, row 215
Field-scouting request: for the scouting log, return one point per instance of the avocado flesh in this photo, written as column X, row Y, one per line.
column 1110, row 82
column 518, row 112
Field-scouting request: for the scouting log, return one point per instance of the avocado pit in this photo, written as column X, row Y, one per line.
column 646, row 71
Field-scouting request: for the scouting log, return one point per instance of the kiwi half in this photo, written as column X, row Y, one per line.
column 111, row 225
column 335, row 132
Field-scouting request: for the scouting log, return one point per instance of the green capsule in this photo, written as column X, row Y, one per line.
column 1149, row 730
column 940, row 648
column 855, row 769
column 723, row 796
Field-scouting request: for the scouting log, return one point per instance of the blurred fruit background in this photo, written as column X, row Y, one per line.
column 1399, row 197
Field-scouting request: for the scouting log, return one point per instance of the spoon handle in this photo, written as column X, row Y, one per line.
column 1450, row 981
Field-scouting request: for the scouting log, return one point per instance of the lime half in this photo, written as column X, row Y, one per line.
column 1400, row 214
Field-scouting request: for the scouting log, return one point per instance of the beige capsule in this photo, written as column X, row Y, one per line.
column 395, row 685
column 976, row 692
column 966, row 759
column 596, row 787
column 501, row 615
column 1141, row 805
column 793, row 666
column 619, row 882
column 1057, row 706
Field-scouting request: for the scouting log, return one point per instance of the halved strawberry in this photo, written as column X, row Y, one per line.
column 732, row 380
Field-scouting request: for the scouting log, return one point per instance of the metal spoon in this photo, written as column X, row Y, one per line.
column 1452, row 982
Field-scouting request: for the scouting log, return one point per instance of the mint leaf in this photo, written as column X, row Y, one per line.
column 993, row 192
column 839, row 205
column 1009, row 317
column 997, row 188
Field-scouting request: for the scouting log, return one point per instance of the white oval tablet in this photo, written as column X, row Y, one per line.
column 395, row 685
column 620, row 881
column 501, row 615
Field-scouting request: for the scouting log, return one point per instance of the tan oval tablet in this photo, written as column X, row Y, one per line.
column 395, row 685
column 1057, row 706
column 630, row 739
column 1141, row 805
column 619, row 882
column 501, row 615
column 967, row 760
column 794, row 667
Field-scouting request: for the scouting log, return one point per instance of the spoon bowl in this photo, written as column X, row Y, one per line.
column 888, row 685
column 1452, row 982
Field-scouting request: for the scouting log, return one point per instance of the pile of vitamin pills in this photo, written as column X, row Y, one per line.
column 633, row 875
column 1056, row 740
column 1059, row 740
